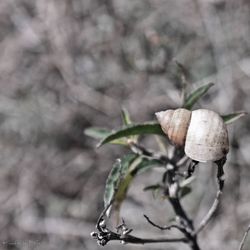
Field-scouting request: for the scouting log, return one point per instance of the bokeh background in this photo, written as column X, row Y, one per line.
column 66, row 65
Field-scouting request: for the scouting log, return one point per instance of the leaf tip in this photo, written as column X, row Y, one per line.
column 228, row 119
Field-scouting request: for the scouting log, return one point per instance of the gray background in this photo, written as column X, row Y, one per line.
column 67, row 65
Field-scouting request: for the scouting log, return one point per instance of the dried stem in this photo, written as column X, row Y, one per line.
column 135, row 240
column 191, row 168
column 162, row 227
column 188, row 229
column 139, row 149
column 212, row 210
column 210, row 213
column 244, row 238
column 104, row 235
column 186, row 223
column 171, row 183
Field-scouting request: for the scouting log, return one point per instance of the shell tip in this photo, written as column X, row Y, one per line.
column 160, row 115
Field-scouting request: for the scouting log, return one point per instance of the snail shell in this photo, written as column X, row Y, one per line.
column 202, row 132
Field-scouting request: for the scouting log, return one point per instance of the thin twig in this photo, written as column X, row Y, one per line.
column 139, row 149
column 104, row 235
column 244, row 238
column 187, row 229
column 212, row 210
column 186, row 223
column 191, row 168
column 103, row 214
column 161, row 227
column 210, row 213
column 135, row 240
column 182, row 162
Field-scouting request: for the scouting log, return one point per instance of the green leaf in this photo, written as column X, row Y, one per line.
column 127, row 121
column 122, row 190
column 97, row 133
column 112, row 183
column 230, row 118
column 126, row 117
column 136, row 165
column 116, row 175
column 135, row 129
column 101, row 133
column 121, row 176
column 184, row 77
column 196, row 95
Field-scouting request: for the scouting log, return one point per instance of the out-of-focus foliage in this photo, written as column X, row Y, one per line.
column 119, row 136
column 191, row 99
column 230, row 118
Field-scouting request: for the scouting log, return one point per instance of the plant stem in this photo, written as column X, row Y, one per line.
column 135, row 240
column 188, row 227
column 244, row 238
column 212, row 210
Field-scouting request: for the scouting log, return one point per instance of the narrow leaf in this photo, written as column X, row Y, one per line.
column 127, row 121
column 116, row 175
column 137, row 165
column 137, row 129
column 184, row 76
column 230, row 118
column 112, row 183
column 101, row 133
column 196, row 95
column 121, row 176
column 122, row 190
column 97, row 133
column 126, row 117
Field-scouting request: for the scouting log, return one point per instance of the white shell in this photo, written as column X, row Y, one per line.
column 175, row 124
column 202, row 132
column 207, row 137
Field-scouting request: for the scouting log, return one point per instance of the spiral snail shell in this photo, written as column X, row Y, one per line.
column 202, row 132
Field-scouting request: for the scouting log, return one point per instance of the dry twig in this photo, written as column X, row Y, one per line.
column 242, row 243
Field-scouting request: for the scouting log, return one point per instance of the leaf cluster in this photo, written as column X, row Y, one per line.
column 125, row 169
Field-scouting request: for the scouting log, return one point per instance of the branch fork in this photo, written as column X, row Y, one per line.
column 172, row 183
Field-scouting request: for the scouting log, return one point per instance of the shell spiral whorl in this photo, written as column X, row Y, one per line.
column 202, row 132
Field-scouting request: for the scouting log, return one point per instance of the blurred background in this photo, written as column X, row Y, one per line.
column 66, row 65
